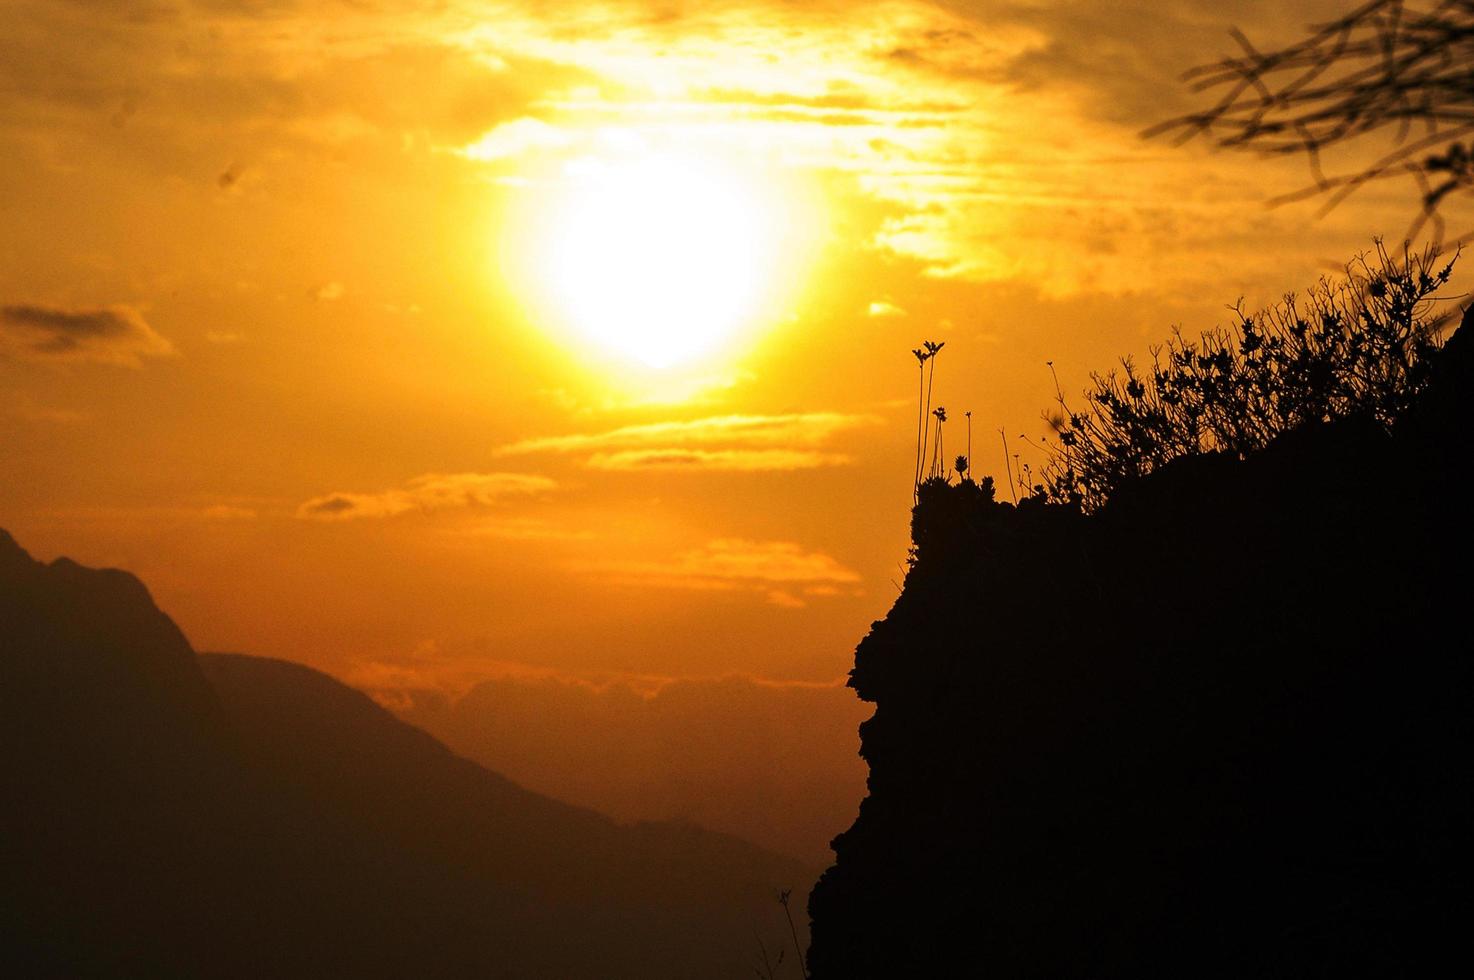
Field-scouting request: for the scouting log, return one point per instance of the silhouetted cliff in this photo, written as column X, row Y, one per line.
column 172, row 815
column 1219, row 728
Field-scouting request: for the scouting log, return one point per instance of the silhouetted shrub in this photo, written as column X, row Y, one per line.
column 1360, row 346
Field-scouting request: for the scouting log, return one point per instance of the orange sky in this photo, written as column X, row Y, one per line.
column 280, row 336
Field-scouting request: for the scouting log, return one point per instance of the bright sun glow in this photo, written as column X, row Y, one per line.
column 660, row 259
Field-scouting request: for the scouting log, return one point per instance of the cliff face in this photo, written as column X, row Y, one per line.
column 1219, row 728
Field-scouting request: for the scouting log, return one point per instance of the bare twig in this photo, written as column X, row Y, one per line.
column 1385, row 67
column 793, row 931
column 1009, row 466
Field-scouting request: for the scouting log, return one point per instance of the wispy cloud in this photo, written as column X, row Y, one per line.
column 772, row 568
column 432, row 673
column 108, row 335
column 516, row 137
column 433, row 491
column 718, row 460
column 730, row 443
column 785, row 600
column 981, row 129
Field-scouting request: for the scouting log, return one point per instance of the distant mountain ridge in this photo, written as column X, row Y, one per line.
column 1220, row 728
column 757, row 760
column 227, row 815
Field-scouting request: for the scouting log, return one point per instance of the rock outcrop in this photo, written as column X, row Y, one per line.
column 1219, row 728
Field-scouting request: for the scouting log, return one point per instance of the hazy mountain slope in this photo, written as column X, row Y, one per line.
column 1220, row 728
column 769, row 762
column 657, row 897
column 258, row 818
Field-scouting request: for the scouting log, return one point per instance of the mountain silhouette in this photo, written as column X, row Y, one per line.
column 1218, row 728
column 225, row 815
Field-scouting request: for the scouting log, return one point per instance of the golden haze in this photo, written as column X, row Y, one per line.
column 573, row 337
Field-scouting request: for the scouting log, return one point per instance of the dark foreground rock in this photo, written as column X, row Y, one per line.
column 1219, row 729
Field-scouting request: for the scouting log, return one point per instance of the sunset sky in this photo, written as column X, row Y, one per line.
column 430, row 342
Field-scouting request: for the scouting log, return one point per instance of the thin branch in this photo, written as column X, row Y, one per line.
column 1382, row 68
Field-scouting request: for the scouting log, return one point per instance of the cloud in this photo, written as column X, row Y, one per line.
column 514, row 138
column 433, row 491
column 107, row 335
column 281, row 72
column 768, row 561
column 797, row 429
column 717, row 460
column 730, row 564
column 884, row 308
column 1125, row 58
column 719, row 443
column 982, row 129
column 329, row 291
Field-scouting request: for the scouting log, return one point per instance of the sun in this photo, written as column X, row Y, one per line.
column 660, row 259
